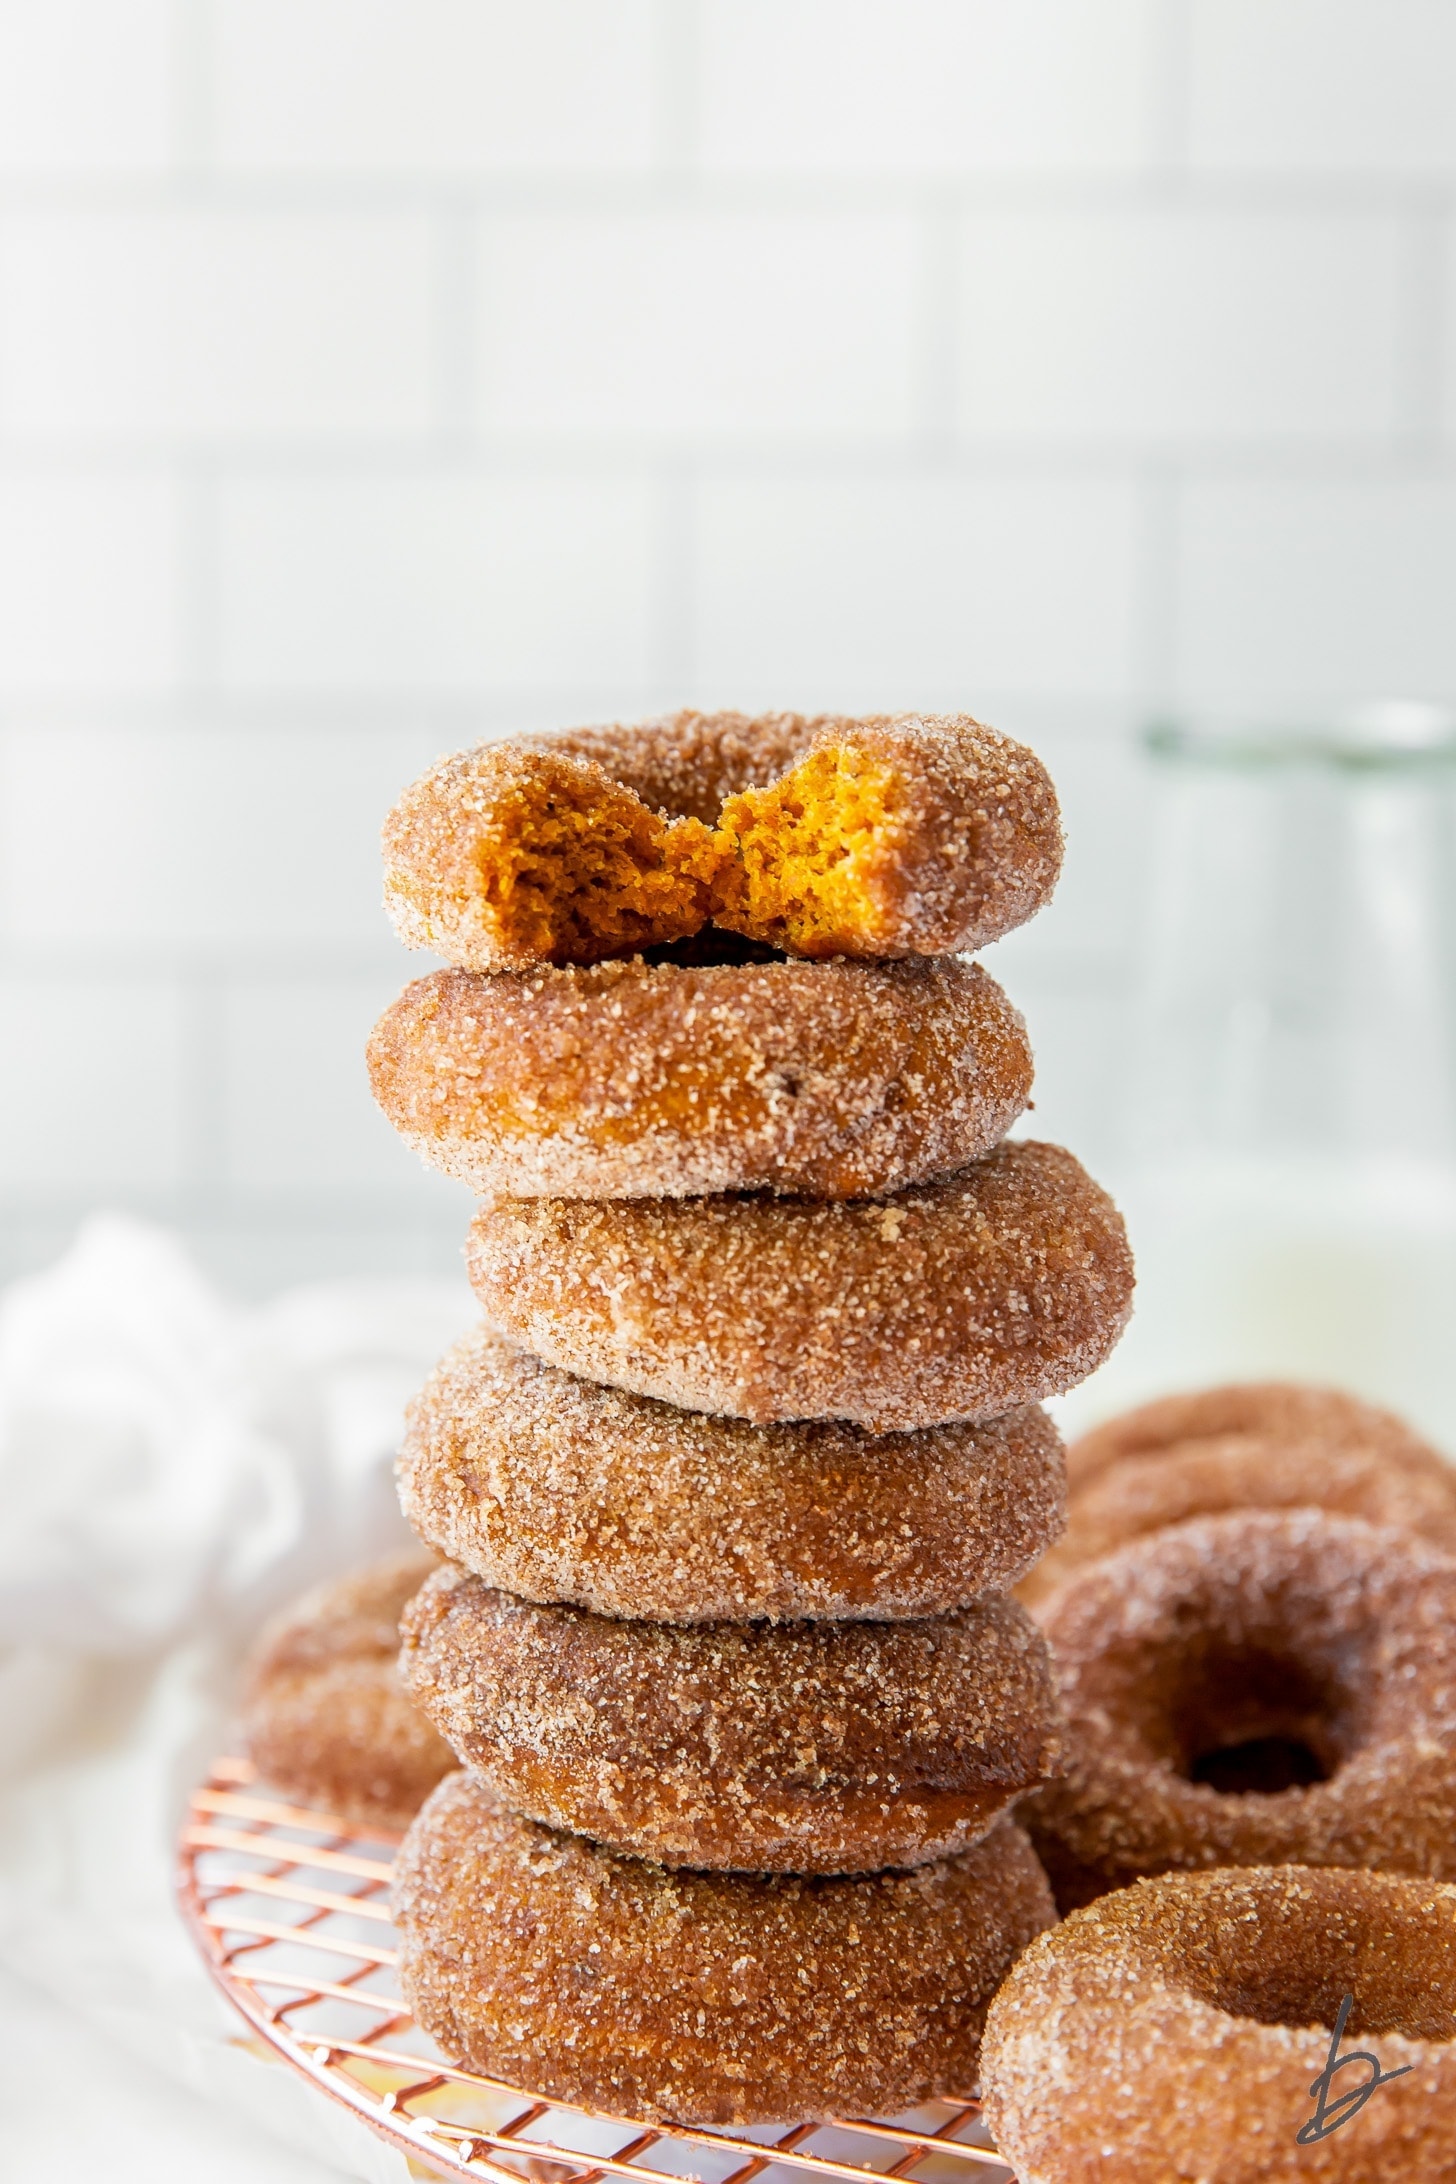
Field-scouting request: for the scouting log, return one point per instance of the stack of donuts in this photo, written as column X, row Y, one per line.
column 735, row 1477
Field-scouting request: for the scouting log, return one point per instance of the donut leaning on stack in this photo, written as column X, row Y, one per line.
column 737, row 1475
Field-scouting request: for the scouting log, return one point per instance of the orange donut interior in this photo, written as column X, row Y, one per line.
column 573, row 869
column 808, row 862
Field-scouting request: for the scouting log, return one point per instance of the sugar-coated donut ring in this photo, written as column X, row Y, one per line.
column 557, row 1489
column 1213, row 1995
column 324, row 1714
column 1409, row 1488
column 1002, row 1284
column 546, row 1961
column 1267, row 1411
column 913, row 834
column 761, row 1747
column 1258, row 1689
column 631, row 1079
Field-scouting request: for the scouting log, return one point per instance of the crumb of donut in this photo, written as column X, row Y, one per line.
column 809, row 861
column 503, row 859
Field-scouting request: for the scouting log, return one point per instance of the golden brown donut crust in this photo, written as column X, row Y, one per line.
column 1266, row 1411
column 1217, row 1633
column 759, row 1747
column 1002, row 1284
column 1408, row 1488
column 325, row 1716
column 584, row 1976
column 635, row 1079
column 1214, row 1995
column 912, row 834
column 556, row 1489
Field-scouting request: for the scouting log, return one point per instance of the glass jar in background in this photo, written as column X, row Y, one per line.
column 1287, row 1116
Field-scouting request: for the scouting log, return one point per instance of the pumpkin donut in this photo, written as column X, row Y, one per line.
column 1257, row 1689
column 325, row 1716
column 1409, row 1488
column 1004, row 1283
column 764, row 1747
column 557, row 1489
column 1265, row 1411
column 636, row 1079
column 546, row 1961
column 1214, row 1996
column 913, row 834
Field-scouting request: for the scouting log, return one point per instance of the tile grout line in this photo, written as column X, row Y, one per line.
column 1423, row 334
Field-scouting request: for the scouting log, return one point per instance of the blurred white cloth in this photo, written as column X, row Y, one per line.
column 171, row 1469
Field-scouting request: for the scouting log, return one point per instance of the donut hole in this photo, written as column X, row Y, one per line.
column 1248, row 1720
column 1285, row 1948
column 577, row 870
column 713, row 948
column 808, row 855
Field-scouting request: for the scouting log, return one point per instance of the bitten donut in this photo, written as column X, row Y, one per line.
column 632, row 1080
column 768, row 1748
column 1178, row 2030
column 1258, row 1689
column 1004, row 1283
column 1268, row 1413
column 325, row 1716
column 544, row 1960
column 557, row 1489
column 1409, row 1488
column 891, row 836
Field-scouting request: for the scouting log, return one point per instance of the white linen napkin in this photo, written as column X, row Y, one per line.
column 171, row 1468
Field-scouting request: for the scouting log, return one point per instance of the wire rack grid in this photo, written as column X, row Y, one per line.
column 290, row 1910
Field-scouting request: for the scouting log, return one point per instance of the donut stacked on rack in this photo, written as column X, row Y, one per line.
column 736, row 1476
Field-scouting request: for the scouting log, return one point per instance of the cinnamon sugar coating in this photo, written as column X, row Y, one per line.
column 1263, row 1411
column 896, row 835
column 1004, row 1283
column 762, row 1747
column 325, row 1716
column 635, row 1079
column 1220, row 1649
column 1409, row 1488
column 1174, row 2031
column 546, row 1961
column 557, row 1489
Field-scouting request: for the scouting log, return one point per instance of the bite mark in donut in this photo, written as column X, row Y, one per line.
column 502, row 858
column 917, row 835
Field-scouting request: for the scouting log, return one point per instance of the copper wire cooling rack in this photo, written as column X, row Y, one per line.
column 290, row 1910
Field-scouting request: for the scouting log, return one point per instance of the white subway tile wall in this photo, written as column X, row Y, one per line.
column 380, row 374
